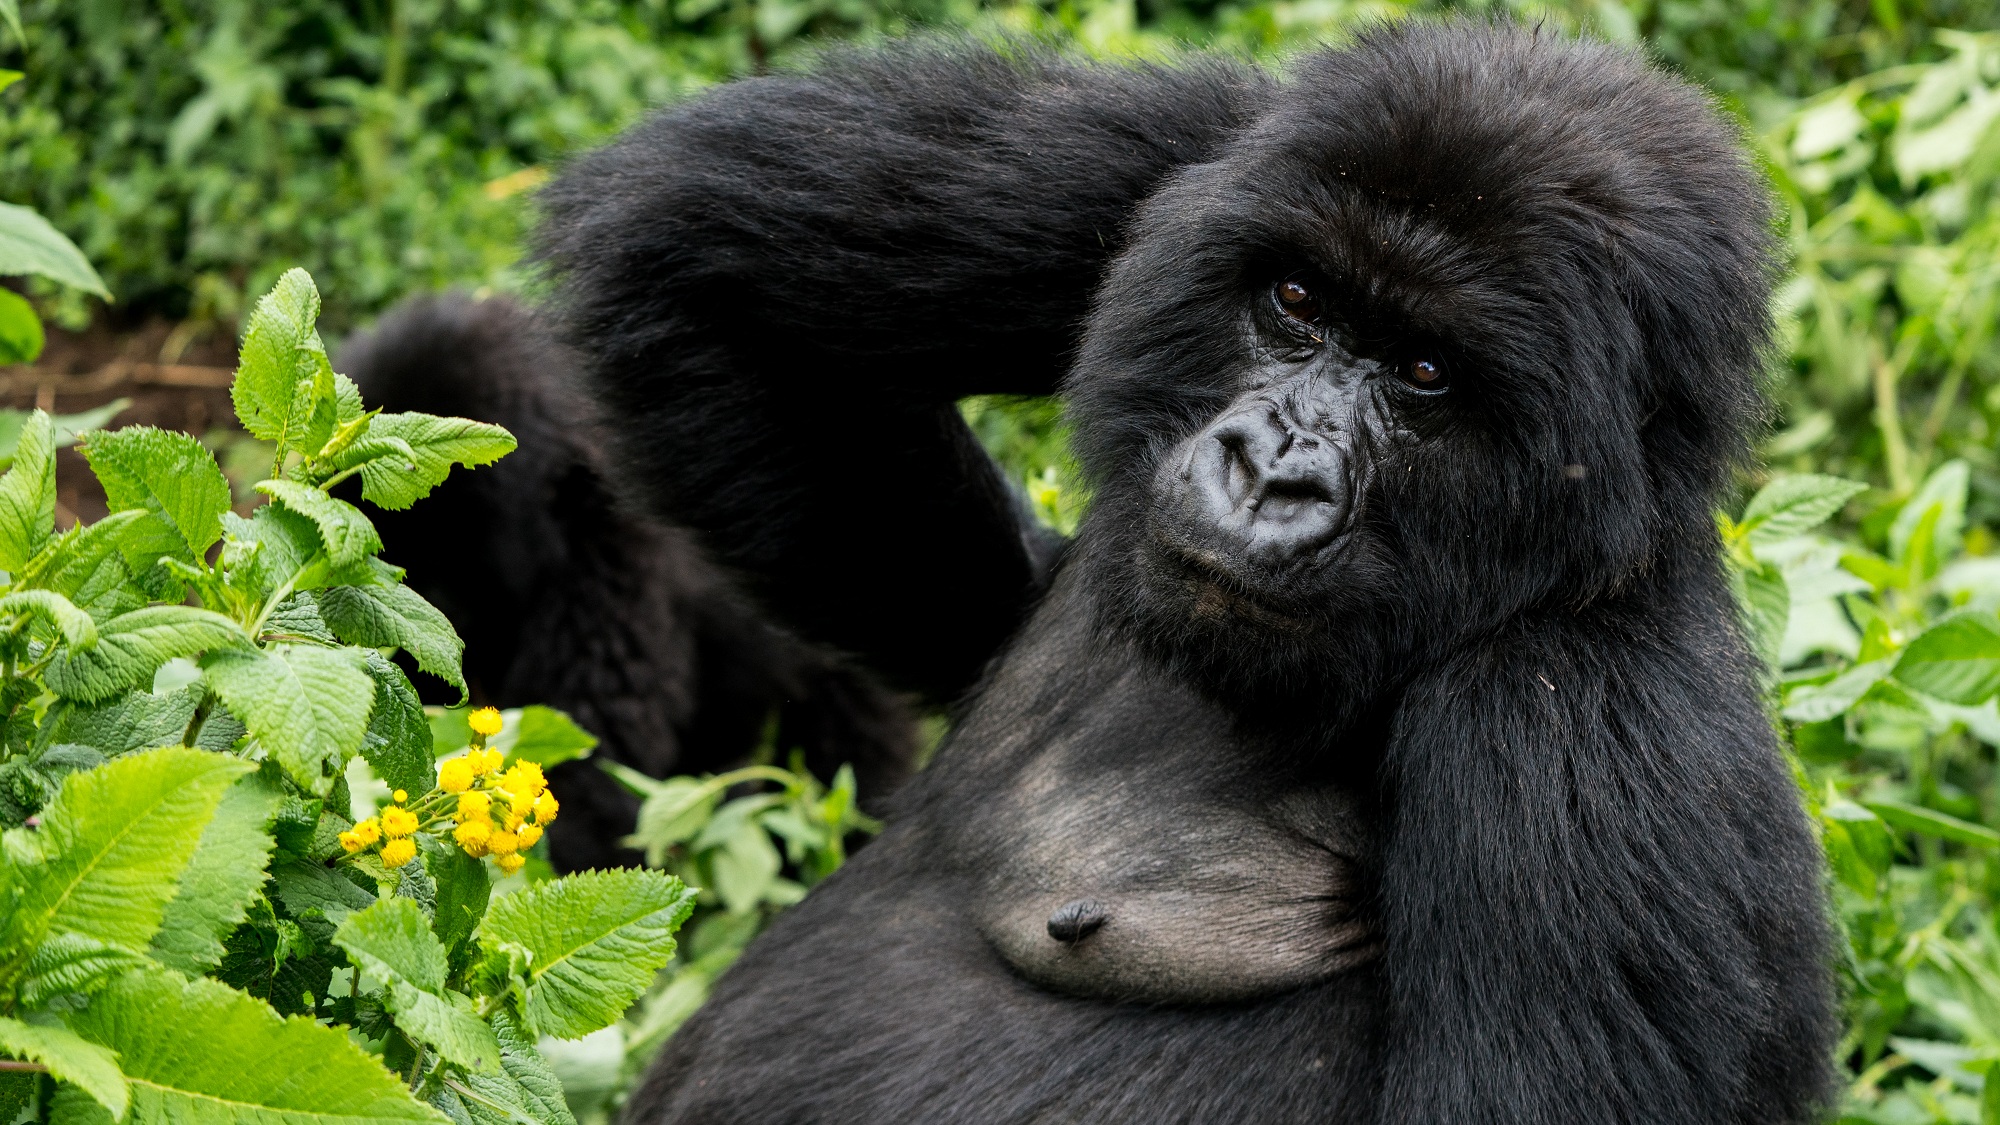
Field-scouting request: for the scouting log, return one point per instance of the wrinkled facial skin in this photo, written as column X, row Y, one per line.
column 1371, row 383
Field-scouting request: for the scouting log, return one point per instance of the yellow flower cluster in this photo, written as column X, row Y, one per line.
column 394, row 827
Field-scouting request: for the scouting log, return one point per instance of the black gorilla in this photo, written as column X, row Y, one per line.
column 567, row 598
column 1384, row 749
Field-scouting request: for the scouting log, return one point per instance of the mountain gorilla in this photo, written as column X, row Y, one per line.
column 1384, row 748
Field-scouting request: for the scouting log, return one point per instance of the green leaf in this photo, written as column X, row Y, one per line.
column 308, row 706
column 1943, row 492
column 269, row 550
column 309, row 888
column 1817, row 702
column 542, row 735
column 168, row 474
column 11, row 11
column 70, row 1057
column 392, row 942
column 1930, row 822
column 672, row 812
column 348, row 535
column 451, row 729
column 137, row 720
column 397, row 743
column 21, row 335
column 116, row 839
column 528, row 1089
column 437, row 443
column 277, row 350
column 198, row 1051
column 462, row 888
column 396, row 616
column 593, row 941
column 28, row 495
column 132, row 646
column 86, row 564
column 1956, row 660
column 28, row 244
column 1793, row 505
column 75, row 625
column 222, row 880
column 72, row 964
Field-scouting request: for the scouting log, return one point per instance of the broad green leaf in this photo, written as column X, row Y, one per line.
column 1956, row 660
column 70, row 1057
column 308, row 706
column 21, row 334
column 297, row 617
column 462, row 890
column 672, row 812
column 72, row 964
column 270, row 362
column 378, row 616
column 76, row 627
column 451, row 729
column 28, row 244
column 1943, row 492
column 397, row 743
column 68, row 426
column 1930, row 822
column 542, row 735
column 528, row 1088
column 222, row 880
column 438, row 444
column 136, row 720
column 1793, row 505
column 200, row 1052
column 392, row 942
column 132, row 646
column 309, row 888
column 348, row 535
column 86, row 562
column 269, row 549
column 593, row 941
column 116, row 839
column 163, row 472
column 1817, row 702
column 28, row 495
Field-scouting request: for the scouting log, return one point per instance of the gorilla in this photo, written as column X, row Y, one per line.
column 567, row 597
column 1385, row 747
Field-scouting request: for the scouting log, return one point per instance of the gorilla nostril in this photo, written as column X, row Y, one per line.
column 1074, row 921
column 1240, row 475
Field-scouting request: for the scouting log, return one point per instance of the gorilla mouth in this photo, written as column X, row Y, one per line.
column 1215, row 591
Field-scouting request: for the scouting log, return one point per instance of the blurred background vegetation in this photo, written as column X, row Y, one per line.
column 195, row 149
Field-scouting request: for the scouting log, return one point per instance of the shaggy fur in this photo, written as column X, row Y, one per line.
column 566, row 598
column 1469, row 816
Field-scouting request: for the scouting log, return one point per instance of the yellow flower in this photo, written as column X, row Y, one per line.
column 525, row 778
column 472, row 836
column 545, row 808
column 398, row 821
column 473, row 806
column 367, row 832
column 510, row 863
column 351, row 842
column 527, row 835
column 521, row 804
column 396, row 853
column 484, row 761
column 455, row 776
column 485, row 721
column 503, row 843
column 400, row 796
column 515, row 821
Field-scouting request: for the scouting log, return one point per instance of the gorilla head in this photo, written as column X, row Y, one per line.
column 1447, row 334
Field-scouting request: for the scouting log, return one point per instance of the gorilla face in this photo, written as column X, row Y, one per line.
column 1420, row 351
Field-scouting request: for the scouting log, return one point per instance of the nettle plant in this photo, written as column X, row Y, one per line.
column 191, row 928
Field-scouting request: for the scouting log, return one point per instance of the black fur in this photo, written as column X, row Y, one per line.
column 1472, row 816
column 565, row 597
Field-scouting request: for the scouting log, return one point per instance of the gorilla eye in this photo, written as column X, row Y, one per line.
column 1297, row 300
column 1423, row 375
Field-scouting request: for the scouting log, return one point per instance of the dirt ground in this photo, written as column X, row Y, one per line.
column 77, row 371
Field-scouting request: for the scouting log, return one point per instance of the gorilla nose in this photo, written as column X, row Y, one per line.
column 1271, row 489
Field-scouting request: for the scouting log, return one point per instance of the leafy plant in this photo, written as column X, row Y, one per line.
column 191, row 928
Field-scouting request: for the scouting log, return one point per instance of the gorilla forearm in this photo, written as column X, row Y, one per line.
column 786, row 284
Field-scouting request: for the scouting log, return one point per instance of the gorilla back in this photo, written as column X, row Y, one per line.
column 1384, row 749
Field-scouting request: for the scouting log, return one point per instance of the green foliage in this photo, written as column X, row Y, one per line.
column 192, row 930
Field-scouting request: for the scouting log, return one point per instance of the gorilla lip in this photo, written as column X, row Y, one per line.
column 1216, row 589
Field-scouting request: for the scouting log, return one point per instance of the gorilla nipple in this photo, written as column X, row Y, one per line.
column 1074, row 921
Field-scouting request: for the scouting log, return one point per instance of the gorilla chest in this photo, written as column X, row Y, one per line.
column 1138, row 853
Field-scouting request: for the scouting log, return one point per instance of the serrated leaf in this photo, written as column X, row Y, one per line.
column 462, row 888
column 594, row 941
column 436, row 445
column 397, row 743
column 392, row 942
column 28, row 495
column 1793, row 505
column 1817, row 702
column 70, row 1057
column 268, row 366
column 29, row 244
column 198, row 1051
column 308, row 888
column 386, row 616
column 168, row 474
column 67, row 964
column 298, row 617
column 137, row 720
column 76, row 627
column 270, row 549
column 528, row 1088
column 1956, row 660
column 116, row 839
column 87, row 563
column 348, row 535
column 132, row 646
column 222, row 880
column 307, row 706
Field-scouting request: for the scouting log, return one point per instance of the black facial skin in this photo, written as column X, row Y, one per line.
column 1384, row 748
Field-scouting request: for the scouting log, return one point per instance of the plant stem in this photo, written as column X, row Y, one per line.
column 1895, row 448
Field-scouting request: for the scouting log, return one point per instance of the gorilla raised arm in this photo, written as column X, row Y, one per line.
column 1384, row 749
